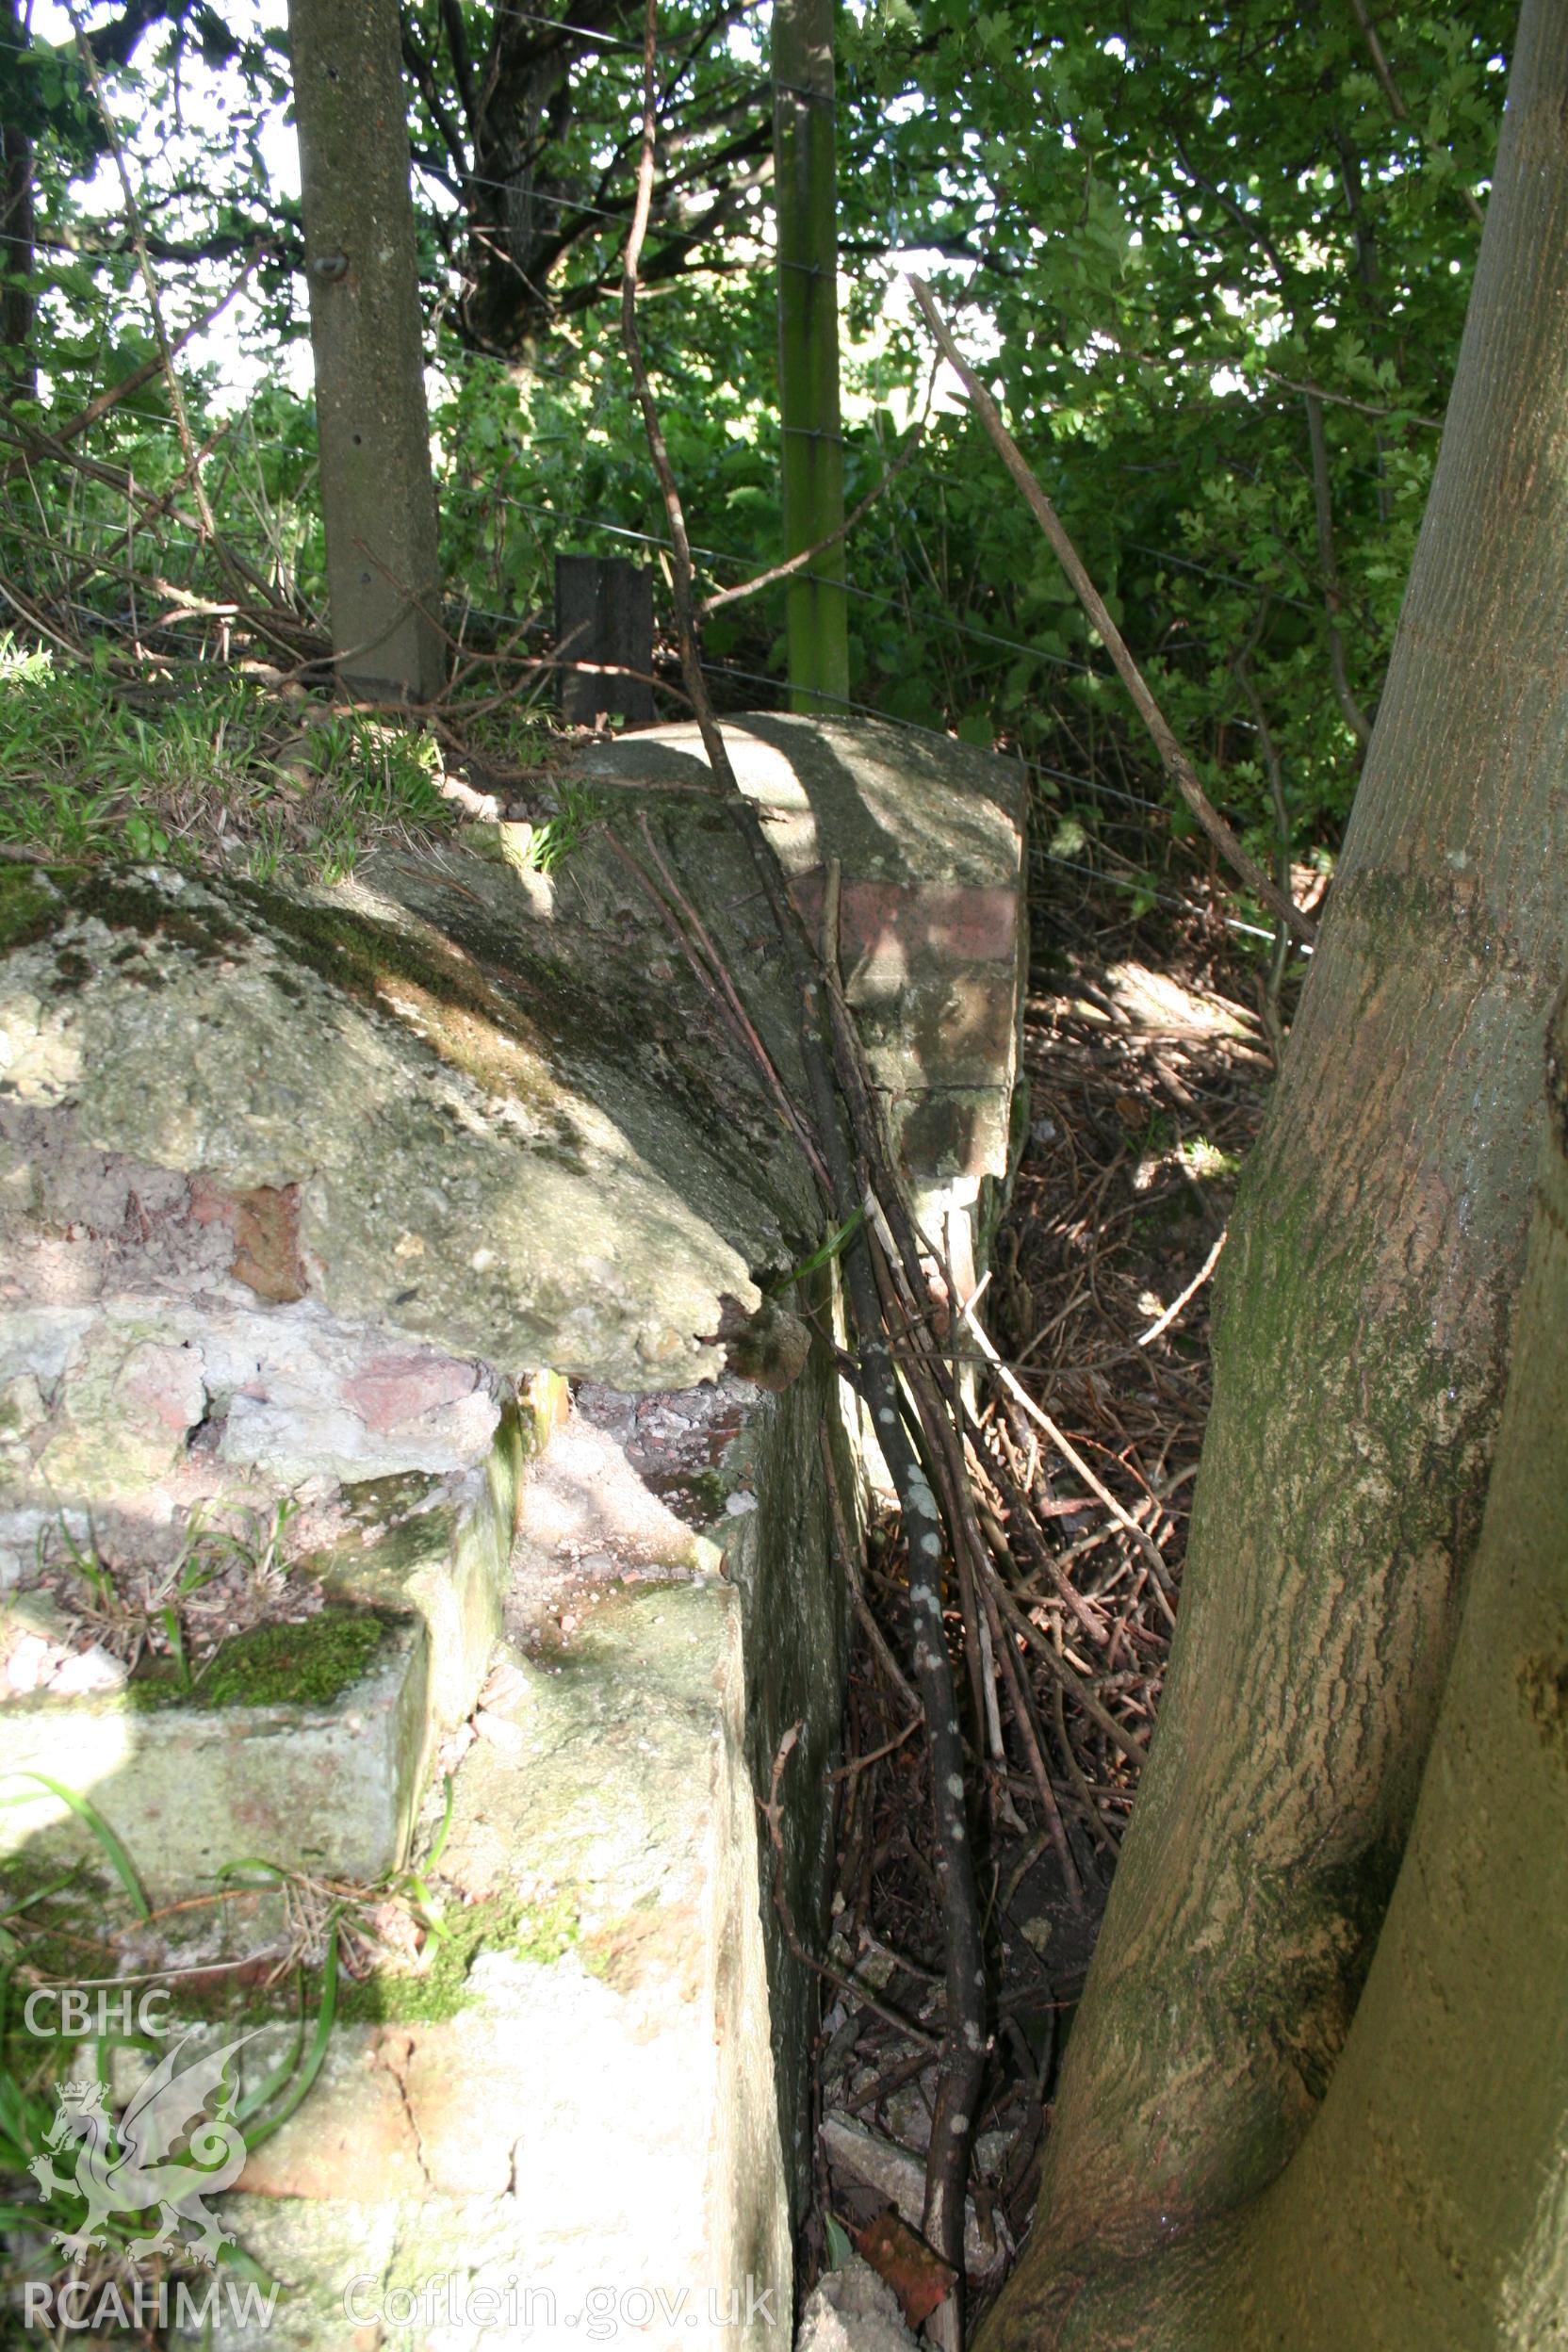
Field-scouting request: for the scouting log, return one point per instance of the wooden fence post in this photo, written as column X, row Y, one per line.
column 604, row 613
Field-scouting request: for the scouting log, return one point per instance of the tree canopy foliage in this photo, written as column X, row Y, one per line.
column 1215, row 262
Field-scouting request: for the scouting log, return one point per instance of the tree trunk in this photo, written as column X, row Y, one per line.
column 516, row 206
column 805, row 197
column 377, row 497
column 17, row 226
column 1428, row 2205
column 1361, row 1354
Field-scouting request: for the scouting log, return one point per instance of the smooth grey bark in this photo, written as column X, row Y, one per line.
column 1362, row 1347
column 378, row 496
column 1428, row 2204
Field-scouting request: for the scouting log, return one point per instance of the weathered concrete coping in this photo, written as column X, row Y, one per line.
column 929, row 836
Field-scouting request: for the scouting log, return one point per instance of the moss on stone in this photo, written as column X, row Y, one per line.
column 542, row 1931
column 127, row 901
column 474, row 1028
column 29, row 908
column 397, row 1996
column 308, row 1665
column 548, row 1931
column 500, row 1029
column 360, row 953
column 388, row 1501
column 33, row 909
column 274, row 1665
column 383, row 1568
column 73, row 970
column 710, row 1490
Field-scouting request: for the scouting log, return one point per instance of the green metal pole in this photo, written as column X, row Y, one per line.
column 806, row 200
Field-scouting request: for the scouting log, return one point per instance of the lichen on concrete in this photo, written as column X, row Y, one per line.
column 521, row 1167
column 305, row 1183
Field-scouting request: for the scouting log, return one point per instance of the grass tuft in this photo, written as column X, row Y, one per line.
column 212, row 767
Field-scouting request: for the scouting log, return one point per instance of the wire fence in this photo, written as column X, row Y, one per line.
column 475, row 493
column 259, row 541
column 571, row 524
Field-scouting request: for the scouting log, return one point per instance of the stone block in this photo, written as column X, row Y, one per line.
column 191, row 1786
column 929, row 838
column 128, row 1403
column 360, row 1156
column 328, row 1789
column 445, row 1555
column 501, row 1139
column 354, row 2139
column 596, row 2129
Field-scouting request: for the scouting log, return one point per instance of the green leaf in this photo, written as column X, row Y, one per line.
column 114, row 1852
column 325, row 2018
column 840, row 2246
column 837, row 1240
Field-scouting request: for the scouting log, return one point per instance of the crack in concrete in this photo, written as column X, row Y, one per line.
column 395, row 2053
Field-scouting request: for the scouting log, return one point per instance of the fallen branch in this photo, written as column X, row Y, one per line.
column 270, row 620
column 1163, row 1323
column 1177, row 765
column 34, row 619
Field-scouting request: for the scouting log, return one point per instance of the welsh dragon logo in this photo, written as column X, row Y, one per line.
column 126, row 2166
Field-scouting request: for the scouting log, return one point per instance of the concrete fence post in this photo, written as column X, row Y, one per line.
column 378, row 496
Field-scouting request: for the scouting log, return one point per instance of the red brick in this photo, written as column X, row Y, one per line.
column 392, row 1390
column 906, row 925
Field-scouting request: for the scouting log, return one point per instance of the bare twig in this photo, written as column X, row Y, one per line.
column 696, row 943
column 1029, row 1734
column 1178, row 766
column 101, row 403
column 873, row 1756
column 34, row 619
column 1241, row 662
column 1355, row 717
column 154, row 304
column 808, row 555
column 1068, row 1450
column 850, row 1560
column 1343, row 399
column 1163, row 1323
column 149, row 509
column 772, row 1809
column 964, row 2043
column 1073, row 1682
